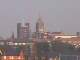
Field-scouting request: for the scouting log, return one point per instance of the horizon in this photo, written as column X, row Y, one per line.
column 58, row 15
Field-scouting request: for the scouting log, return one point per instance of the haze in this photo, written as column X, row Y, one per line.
column 58, row 15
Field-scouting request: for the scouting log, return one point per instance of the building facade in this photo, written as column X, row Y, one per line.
column 40, row 29
column 23, row 31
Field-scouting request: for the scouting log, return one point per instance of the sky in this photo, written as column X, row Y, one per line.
column 58, row 15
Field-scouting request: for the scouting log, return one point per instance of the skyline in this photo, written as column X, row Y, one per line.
column 59, row 14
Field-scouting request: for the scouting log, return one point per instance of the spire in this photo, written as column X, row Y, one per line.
column 39, row 16
column 40, row 25
column 39, row 19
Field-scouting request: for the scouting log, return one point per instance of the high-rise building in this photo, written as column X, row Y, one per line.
column 40, row 25
column 40, row 29
column 18, row 30
column 23, row 31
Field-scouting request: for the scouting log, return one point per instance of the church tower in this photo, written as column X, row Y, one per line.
column 40, row 28
column 40, row 25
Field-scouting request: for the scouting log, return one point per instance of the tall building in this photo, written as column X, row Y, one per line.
column 40, row 26
column 23, row 31
column 18, row 30
column 40, row 29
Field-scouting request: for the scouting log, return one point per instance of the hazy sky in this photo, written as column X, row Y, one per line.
column 58, row 15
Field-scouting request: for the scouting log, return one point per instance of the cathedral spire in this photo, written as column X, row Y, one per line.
column 39, row 19
column 40, row 25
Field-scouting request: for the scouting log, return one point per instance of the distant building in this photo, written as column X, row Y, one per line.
column 65, row 36
column 40, row 25
column 78, row 34
column 47, row 35
column 18, row 30
column 23, row 31
column 40, row 29
column 57, row 33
